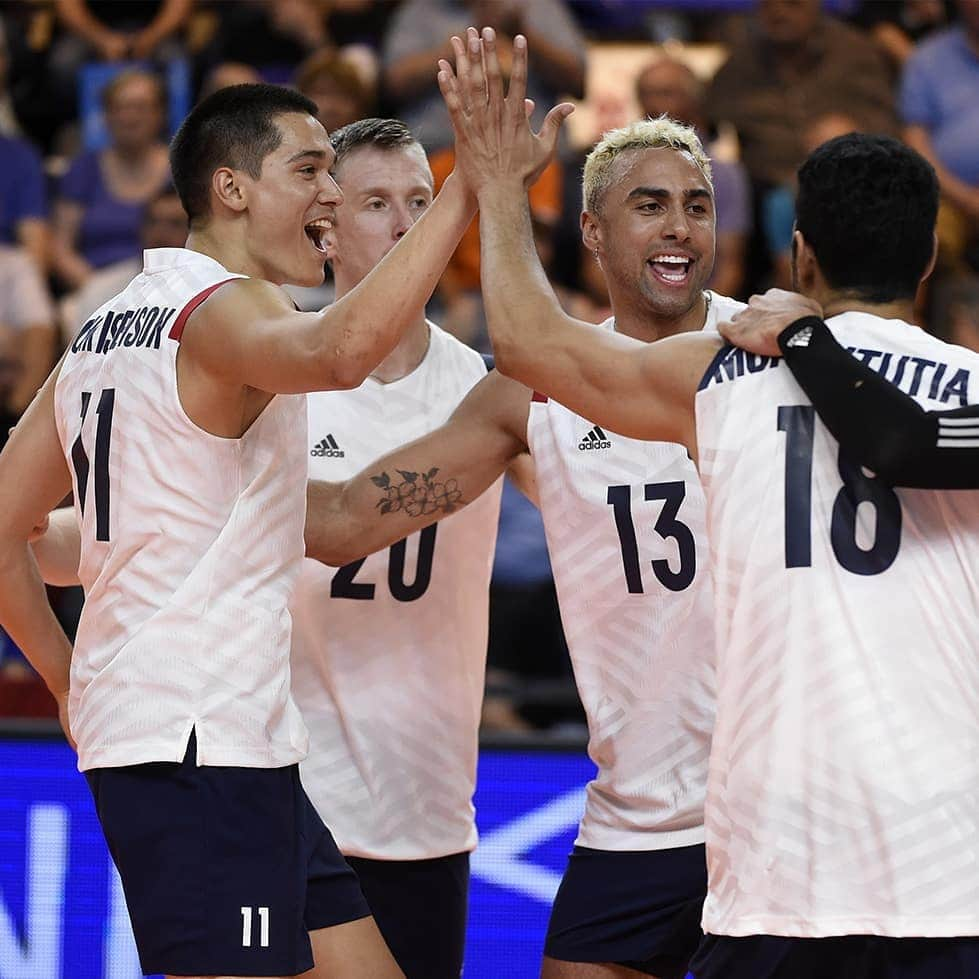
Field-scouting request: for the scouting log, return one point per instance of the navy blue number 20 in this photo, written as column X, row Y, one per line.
column 797, row 421
column 79, row 459
column 344, row 586
column 667, row 525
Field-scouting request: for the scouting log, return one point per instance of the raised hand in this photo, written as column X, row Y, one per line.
column 494, row 141
column 757, row 327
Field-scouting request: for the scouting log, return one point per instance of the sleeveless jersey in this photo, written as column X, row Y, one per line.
column 843, row 795
column 191, row 543
column 625, row 526
column 389, row 653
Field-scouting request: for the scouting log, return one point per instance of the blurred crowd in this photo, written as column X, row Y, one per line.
column 90, row 91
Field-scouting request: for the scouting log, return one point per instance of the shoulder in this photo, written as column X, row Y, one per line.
column 232, row 305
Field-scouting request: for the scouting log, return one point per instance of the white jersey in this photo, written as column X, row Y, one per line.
column 625, row 525
column 843, row 795
column 190, row 543
column 389, row 653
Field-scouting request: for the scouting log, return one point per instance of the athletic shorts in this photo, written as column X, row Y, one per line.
column 420, row 907
column 225, row 870
column 636, row 908
column 846, row 957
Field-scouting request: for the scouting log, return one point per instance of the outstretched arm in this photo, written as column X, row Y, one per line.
column 639, row 390
column 248, row 333
column 422, row 482
column 875, row 423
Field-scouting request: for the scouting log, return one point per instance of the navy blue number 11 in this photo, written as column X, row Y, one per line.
column 79, row 459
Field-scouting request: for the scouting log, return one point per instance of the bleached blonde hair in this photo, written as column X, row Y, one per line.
column 645, row 134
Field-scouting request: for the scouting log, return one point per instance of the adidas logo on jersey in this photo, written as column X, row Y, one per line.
column 595, row 439
column 327, row 448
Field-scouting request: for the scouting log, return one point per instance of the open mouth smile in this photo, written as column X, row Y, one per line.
column 671, row 268
column 316, row 233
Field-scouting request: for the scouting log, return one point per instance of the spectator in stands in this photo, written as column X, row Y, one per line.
column 101, row 198
column 115, row 31
column 419, row 35
column 898, row 25
column 669, row 87
column 164, row 225
column 27, row 334
column 799, row 64
column 337, row 87
column 23, row 210
column 940, row 112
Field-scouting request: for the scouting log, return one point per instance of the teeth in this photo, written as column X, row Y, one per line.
column 672, row 259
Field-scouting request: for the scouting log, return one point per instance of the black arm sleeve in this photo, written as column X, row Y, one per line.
column 876, row 424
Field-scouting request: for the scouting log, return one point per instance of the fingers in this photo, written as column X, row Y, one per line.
column 462, row 73
column 518, row 76
column 551, row 129
column 450, row 89
column 477, row 78
column 494, row 81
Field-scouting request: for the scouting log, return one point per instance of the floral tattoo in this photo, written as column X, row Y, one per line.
column 418, row 494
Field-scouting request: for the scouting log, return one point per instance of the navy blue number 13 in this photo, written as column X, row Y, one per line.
column 667, row 525
column 79, row 459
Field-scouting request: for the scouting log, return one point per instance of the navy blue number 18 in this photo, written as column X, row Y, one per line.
column 797, row 421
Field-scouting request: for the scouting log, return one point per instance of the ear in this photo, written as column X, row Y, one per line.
column 591, row 233
column 804, row 265
column 228, row 188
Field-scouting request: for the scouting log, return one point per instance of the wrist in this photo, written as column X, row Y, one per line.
column 798, row 333
column 503, row 190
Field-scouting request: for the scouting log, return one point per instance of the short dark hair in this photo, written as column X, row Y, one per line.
column 867, row 206
column 233, row 127
column 383, row 134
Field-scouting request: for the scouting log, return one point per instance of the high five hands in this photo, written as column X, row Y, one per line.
column 494, row 141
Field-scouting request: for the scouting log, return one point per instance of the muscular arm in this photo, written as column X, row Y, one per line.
column 248, row 332
column 422, row 482
column 876, row 423
column 33, row 478
column 640, row 390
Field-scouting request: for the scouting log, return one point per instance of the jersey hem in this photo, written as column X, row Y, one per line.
column 120, row 756
column 907, row 927
column 647, row 840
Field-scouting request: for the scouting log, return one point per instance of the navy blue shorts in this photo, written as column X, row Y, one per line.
column 225, row 870
column 846, row 957
column 420, row 907
column 636, row 908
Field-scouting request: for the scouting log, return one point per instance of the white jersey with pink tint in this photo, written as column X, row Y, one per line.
column 626, row 532
column 389, row 652
column 843, row 795
column 191, row 543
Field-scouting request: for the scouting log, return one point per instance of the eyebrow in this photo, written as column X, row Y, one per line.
column 637, row 192
column 382, row 191
column 315, row 154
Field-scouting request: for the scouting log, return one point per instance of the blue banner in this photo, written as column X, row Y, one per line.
column 63, row 915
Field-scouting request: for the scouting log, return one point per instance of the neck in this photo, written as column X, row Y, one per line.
column 642, row 324
column 219, row 242
column 899, row 309
column 407, row 355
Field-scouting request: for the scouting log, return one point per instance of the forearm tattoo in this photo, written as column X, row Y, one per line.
column 418, row 494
